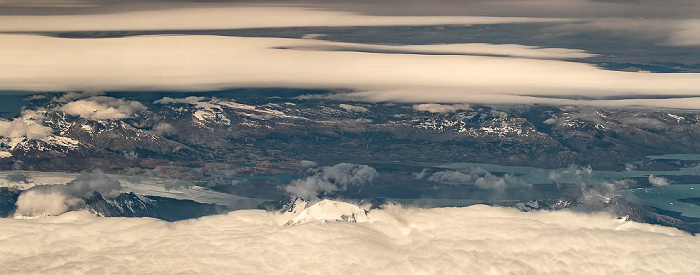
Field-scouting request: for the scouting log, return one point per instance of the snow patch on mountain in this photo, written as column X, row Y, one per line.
column 205, row 112
column 263, row 112
column 28, row 132
column 476, row 125
column 62, row 141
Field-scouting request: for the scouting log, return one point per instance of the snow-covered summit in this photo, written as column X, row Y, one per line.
column 302, row 211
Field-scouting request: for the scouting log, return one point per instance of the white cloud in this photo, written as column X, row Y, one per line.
column 5, row 154
column 156, row 62
column 60, row 198
column 22, row 128
column 617, row 18
column 41, row 200
column 102, row 107
column 472, row 240
column 27, row 125
column 478, row 177
column 241, row 17
column 330, row 179
column 658, row 181
column 440, row 108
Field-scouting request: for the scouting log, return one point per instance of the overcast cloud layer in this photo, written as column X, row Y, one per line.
column 234, row 18
column 444, row 73
column 194, row 62
column 642, row 19
column 472, row 240
column 531, row 8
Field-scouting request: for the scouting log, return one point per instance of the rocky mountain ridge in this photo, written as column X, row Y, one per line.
column 269, row 134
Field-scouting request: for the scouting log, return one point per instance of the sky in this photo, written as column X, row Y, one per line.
column 533, row 8
column 174, row 46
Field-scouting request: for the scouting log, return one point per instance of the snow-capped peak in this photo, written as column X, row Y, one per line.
column 325, row 210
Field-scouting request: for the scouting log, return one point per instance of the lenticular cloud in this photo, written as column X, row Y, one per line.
column 206, row 62
column 471, row 240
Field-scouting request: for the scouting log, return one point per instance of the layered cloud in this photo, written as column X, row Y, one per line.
column 533, row 8
column 673, row 23
column 237, row 17
column 209, row 62
column 472, row 240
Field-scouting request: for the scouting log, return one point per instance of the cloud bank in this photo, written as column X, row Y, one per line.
column 210, row 62
column 241, row 17
column 472, row 240
column 674, row 23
